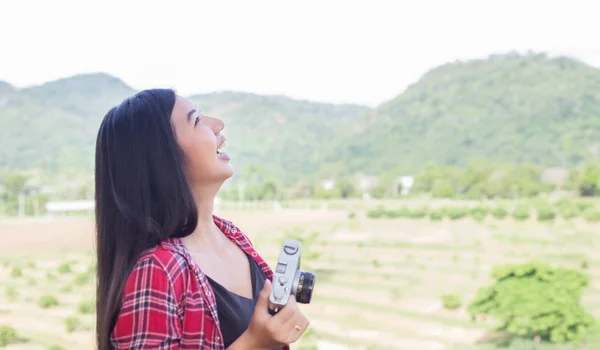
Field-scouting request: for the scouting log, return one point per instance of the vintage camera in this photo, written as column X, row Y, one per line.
column 288, row 279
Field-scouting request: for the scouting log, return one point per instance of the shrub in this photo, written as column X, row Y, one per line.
column 521, row 213
column 479, row 212
column 55, row 347
column 351, row 215
column 455, row 213
column 401, row 212
column 82, row 278
column 376, row 213
column 11, row 293
column 591, row 215
column 47, row 301
column 451, row 301
column 568, row 212
column 535, row 300
column 545, row 213
column 65, row 268
column 16, row 272
column 72, row 323
column 7, row 335
column 436, row 214
column 499, row 212
column 417, row 213
column 87, row 306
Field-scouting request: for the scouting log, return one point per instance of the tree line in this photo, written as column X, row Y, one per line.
column 479, row 179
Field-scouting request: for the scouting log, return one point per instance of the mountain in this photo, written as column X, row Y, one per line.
column 53, row 126
column 284, row 136
column 517, row 108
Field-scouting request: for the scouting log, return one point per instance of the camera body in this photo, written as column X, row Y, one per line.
column 288, row 279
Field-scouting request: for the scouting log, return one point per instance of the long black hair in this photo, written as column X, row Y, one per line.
column 142, row 194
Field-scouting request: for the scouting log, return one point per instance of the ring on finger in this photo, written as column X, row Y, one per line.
column 297, row 327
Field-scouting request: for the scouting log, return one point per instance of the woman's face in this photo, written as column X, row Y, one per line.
column 200, row 138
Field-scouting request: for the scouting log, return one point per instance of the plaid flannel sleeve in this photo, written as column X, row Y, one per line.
column 149, row 315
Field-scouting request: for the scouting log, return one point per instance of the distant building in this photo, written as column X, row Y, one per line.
column 65, row 207
column 328, row 184
column 366, row 183
column 406, row 182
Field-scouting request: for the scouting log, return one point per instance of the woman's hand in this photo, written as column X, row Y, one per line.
column 270, row 332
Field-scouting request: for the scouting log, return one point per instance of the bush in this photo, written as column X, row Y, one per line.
column 72, row 323
column 545, row 213
column 11, row 293
column 591, row 215
column 64, row 268
column 417, row 213
column 351, row 215
column 47, row 301
column 376, row 213
column 7, row 335
column 499, row 212
column 535, row 300
column 451, row 301
column 55, row 347
column 521, row 213
column 569, row 212
column 87, row 306
column 82, row 278
column 455, row 213
column 479, row 212
column 16, row 272
column 436, row 214
column 401, row 212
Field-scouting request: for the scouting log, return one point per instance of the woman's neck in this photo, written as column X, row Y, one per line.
column 206, row 234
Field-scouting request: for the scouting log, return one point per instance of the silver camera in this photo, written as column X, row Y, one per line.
column 288, row 279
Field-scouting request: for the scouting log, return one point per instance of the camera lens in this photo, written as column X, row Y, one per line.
column 306, row 284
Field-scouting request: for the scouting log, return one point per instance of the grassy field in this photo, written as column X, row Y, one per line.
column 379, row 281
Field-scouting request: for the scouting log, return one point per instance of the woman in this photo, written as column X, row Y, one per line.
column 170, row 274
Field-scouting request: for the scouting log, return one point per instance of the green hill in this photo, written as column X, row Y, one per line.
column 52, row 127
column 517, row 108
column 513, row 108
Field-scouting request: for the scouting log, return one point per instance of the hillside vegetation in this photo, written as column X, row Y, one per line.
column 512, row 108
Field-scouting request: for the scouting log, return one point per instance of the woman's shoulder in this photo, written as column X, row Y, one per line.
column 165, row 262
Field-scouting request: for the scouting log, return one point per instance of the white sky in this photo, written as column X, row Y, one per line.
column 336, row 51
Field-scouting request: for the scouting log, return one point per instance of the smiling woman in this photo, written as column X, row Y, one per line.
column 171, row 275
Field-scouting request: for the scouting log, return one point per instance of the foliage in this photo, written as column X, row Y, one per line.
column 47, row 301
column 528, row 108
column 7, row 334
column 451, row 301
column 16, row 272
column 11, row 293
column 499, row 212
column 479, row 212
column 55, row 347
column 521, row 212
column 87, row 306
column 519, row 113
column 545, row 213
column 535, row 300
column 436, row 214
column 65, row 268
column 72, row 323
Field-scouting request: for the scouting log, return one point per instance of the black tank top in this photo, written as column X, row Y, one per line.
column 235, row 311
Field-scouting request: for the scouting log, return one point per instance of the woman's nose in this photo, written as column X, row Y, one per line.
column 216, row 124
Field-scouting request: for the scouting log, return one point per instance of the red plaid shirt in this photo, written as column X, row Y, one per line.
column 168, row 302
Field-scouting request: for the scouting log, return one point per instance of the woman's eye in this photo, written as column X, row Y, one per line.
column 196, row 121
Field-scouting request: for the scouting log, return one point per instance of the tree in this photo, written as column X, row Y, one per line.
column 536, row 301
